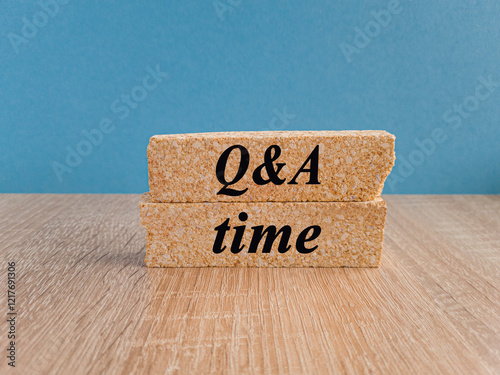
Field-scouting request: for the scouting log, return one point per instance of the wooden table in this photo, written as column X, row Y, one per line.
column 87, row 304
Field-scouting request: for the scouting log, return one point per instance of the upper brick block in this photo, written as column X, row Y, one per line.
column 271, row 166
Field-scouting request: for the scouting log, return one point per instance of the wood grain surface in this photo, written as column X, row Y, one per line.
column 88, row 305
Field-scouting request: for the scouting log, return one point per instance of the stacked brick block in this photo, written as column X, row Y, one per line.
column 267, row 199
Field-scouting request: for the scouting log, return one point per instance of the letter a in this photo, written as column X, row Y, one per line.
column 313, row 170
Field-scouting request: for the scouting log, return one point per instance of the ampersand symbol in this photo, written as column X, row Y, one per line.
column 269, row 158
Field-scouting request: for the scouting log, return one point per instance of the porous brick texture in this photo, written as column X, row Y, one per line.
column 183, row 234
column 353, row 166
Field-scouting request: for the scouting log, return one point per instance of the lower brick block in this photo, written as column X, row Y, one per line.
column 264, row 234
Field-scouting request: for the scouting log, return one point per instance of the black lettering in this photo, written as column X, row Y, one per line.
column 313, row 170
column 220, row 170
column 272, row 174
column 240, row 230
column 219, row 239
column 271, row 235
column 302, row 238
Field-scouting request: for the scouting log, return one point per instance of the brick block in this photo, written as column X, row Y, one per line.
column 350, row 234
column 275, row 166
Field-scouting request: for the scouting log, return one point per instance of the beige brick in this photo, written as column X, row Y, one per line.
column 353, row 165
column 183, row 234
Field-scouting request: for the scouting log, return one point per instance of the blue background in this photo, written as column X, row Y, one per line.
column 235, row 65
